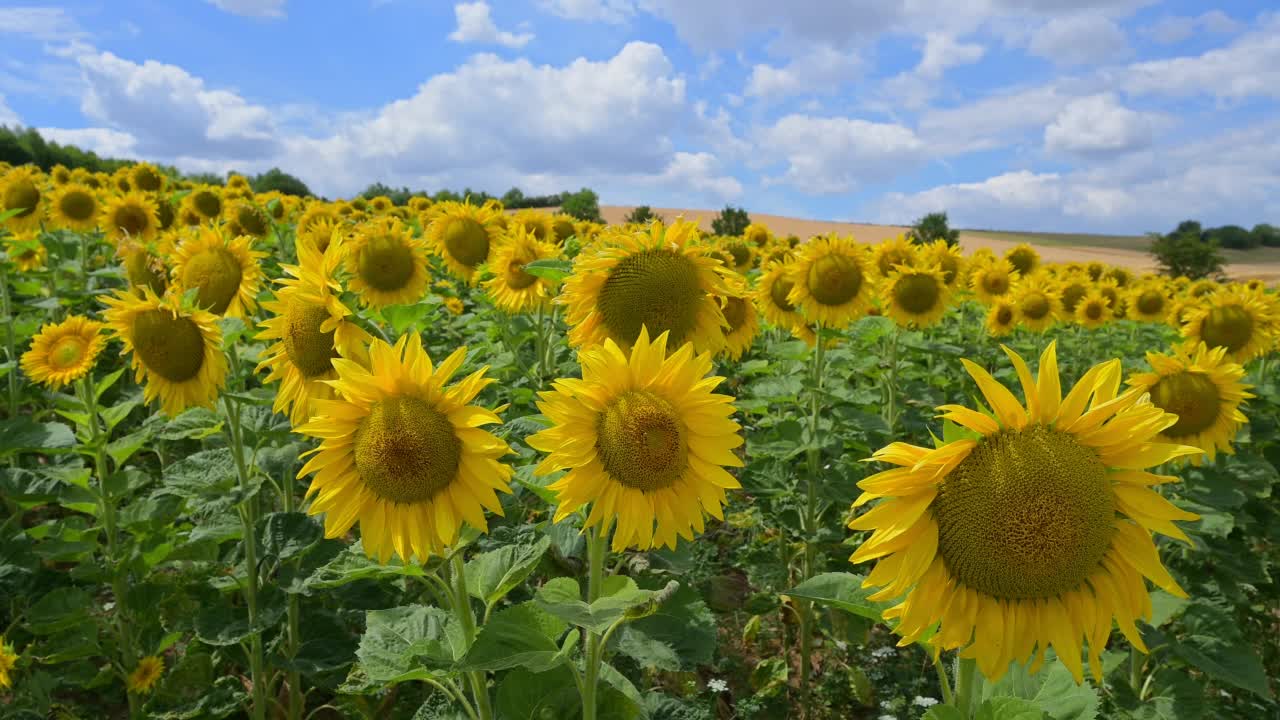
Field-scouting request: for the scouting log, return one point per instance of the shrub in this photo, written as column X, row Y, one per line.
column 1187, row 253
column 583, row 205
column 642, row 215
column 281, row 181
column 1266, row 235
column 1232, row 236
column 731, row 222
column 933, row 227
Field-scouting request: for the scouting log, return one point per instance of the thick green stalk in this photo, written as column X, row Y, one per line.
column 293, row 639
column 107, row 511
column 891, row 385
column 968, row 685
column 462, row 608
column 596, row 552
column 810, row 525
column 249, row 522
column 10, row 345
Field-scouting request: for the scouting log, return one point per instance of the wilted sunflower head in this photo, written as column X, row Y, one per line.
column 74, row 206
column 463, row 235
column 657, row 277
column 146, row 177
column 131, row 216
column 21, row 189
column 1023, row 258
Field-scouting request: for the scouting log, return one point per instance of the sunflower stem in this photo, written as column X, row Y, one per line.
column 293, row 638
column 597, row 549
column 249, row 522
column 107, row 511
column 966, row 685
column 10, row 346
column 1135, row 672
column 891, row 384
column 462, row 608
column 948, row 697
column 808, row 566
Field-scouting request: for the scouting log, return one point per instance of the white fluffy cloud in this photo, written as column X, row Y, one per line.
column 941, row 52
column 1084, row 39
column 1097, row 124
column 1176, row 28
column 105, row 142
column 834, row 155
column 7, row 115
column 1249, row 66
column 475, row 25
column 251, row 8
column 1002, row 119
column 820, row 70
column 171, row 112
column 608, row 11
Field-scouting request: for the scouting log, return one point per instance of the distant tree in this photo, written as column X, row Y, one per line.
column 1266, row 235
column 208, row 179
column 583, row 205
column 513, row 198
column 446, row 195
column 933, row 227
column 731, row 222
column 641, row 215
column 1187, row 253
column 1233, row 237
column 279, row 180
column 11, row 148
column 1189, row 226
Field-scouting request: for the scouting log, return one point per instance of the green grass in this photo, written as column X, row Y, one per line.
column 1136, row 243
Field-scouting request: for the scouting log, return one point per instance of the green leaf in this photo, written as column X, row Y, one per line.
column 1009, row 708
column 287, row 535
column 61, row 609
column 681, row 635
column 553, row 270
column 411, row 642
column 519, row 636
column 942, row 712
column 839, row 590
column 491, row 575
column 22, row 434
column 1172, row 695
column 524, row 695
column 194, row 424
column 121, row 449
column 629, row 704
column 1061, row 698
column 561, row 597
column 1214, row 645
column 353, row 565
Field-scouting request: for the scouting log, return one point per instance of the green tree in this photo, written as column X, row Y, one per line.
column 1266, row 235
column 583, row 205
column 277, row 179
column 731, row 222
column 1187, row 253
column 1233, row 237
column 933, row 227
column 641, row 215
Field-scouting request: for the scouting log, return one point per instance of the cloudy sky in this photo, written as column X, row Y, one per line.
column 1069, row 115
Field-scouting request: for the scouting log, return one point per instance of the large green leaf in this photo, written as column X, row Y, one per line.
column 287, row 535
column 412, row 642
column 519, row 636
column 352, row 565
column 680, row 635
column 22, row 434
column 553, row 270
column 58, row 610
column 839, row 590
column 1009, row 708
column 491, row 575
column 561, row 597
column 1214, row 645
column 524, row 695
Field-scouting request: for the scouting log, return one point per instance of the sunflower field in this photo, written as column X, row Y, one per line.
column 269, row 457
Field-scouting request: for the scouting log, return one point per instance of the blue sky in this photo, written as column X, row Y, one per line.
column 1069, row 115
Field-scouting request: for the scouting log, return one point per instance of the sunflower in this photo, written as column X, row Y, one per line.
column 756, row 234
column 1095, row 270
column 178, row 351
column 1202, row 387
column 564, row 226
column 891, row 253
column 403, row 455
column 388, row 265
column 992, row 280
column 1202, row 288
column 771, row 298
column 1035, row 532
column 1256, row 285
column 8, row 661
column 1002, row 317
column 64, row 352
column 145, row 676
column 131, row 216
column 1092, row 311
column 225, row 272
column 462, row 235
column 511, row 288
column 74, row 206
column 249, row 218
column 238, row 183
column 321, row 231
column 454, row 305
column 537, row 223
column 915, row 295
column 1023, row 258
column 1148, row 303
column 309, row 327
column 59, row 175
column 1071, row 291
column 743, row 323
column 1123, row 277
column 644, row 439
column 21, row 189
column 1037, row 309
column 1234, row 318
column 315, row 212
column 742, row 256
column 419, row 203
column 830, row 283
column 381, row 205
column 146, row 177
column 948, row 258
column 657, row 277
column 26, row 251
column 205, row 203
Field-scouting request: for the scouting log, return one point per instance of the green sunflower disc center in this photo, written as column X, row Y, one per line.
column 67, row 352
column 642, row 442
column 834, row 279
column 735, row 312
column 1028, row 514
column 917, row 294
column 779, row 291
column 1192, row 396
column 406, row 450
column 385, row 263
column 171, row 347
column 657, row 289
column 22, row 194
column 995, row 282
column 78, row 205
column 517, row 278
column 309, row 349
column 466, row 241
column 1150, row 302
column 1229, row 326
column 216, row 275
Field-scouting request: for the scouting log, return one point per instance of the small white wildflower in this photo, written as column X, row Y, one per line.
column 717, row 685
column 882, row 652
column 924, row 701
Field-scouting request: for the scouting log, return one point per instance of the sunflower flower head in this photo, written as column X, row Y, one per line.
column 388, row 265
column 463, row 235
column 511, row 288
column 225, row 272
column 831, row 284
column 8, row 661
column 64, row 352
column 916, row 295
column 144, row 677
